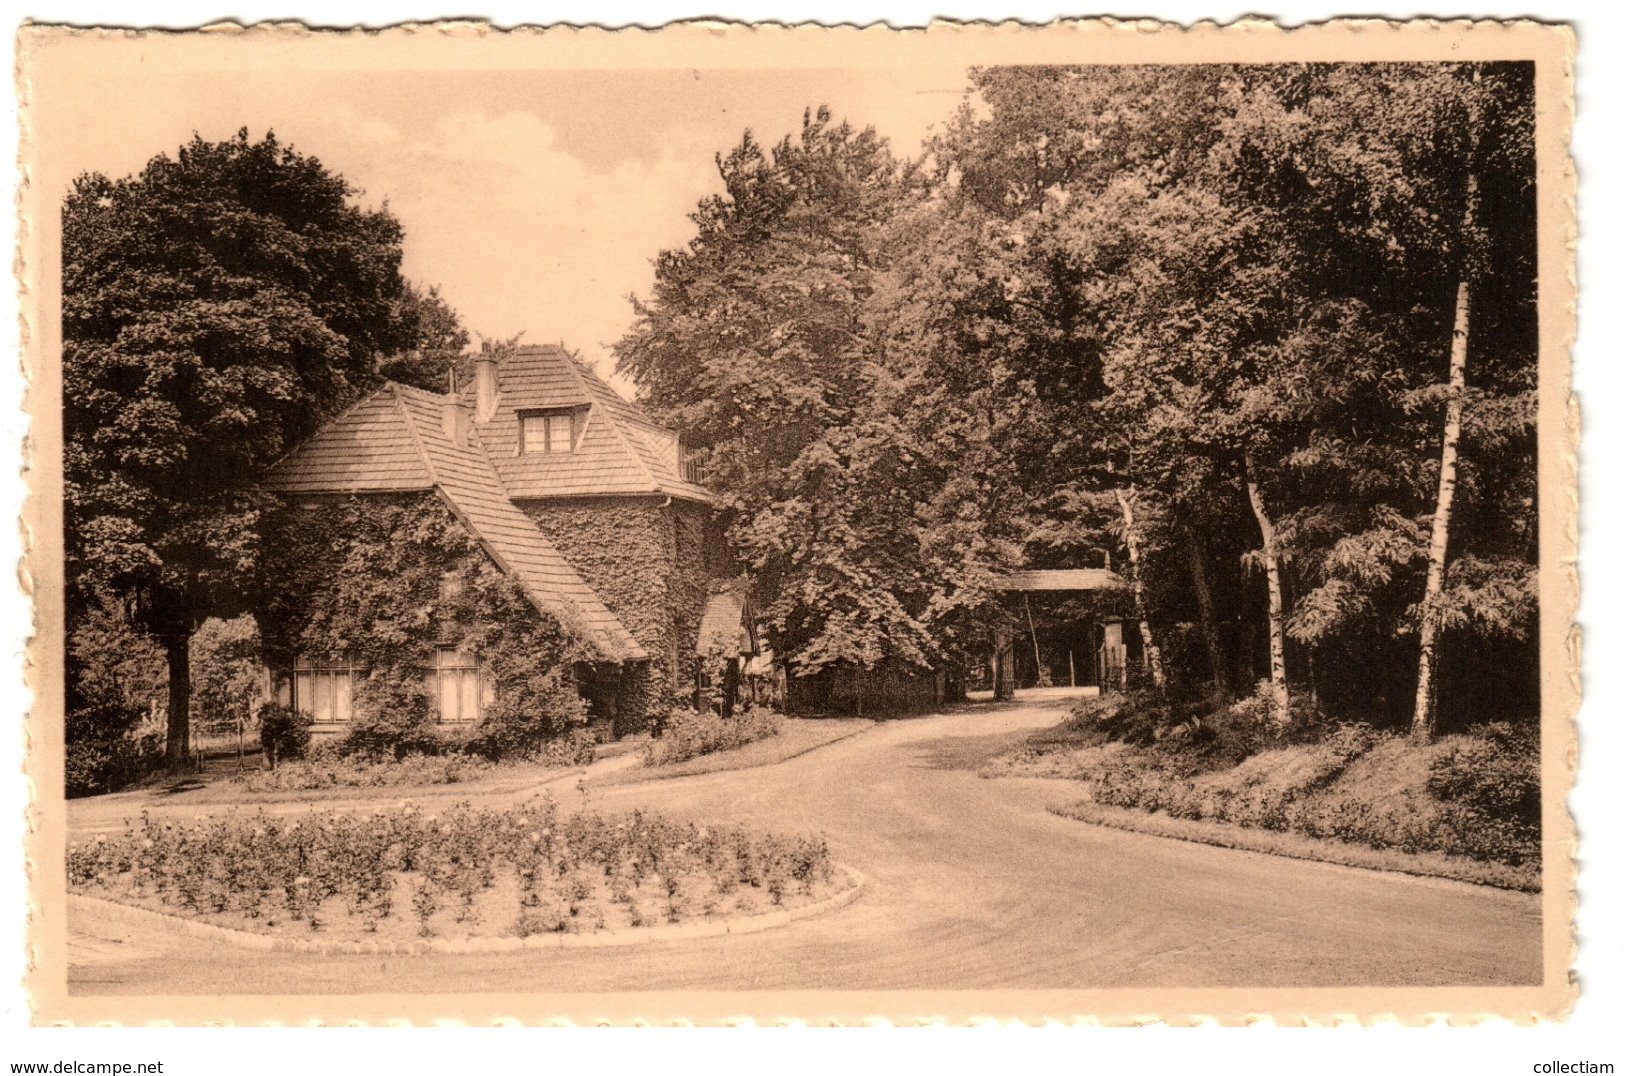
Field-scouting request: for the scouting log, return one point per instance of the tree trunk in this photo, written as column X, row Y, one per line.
column 1004, row 665
column 1281, row 700
column 1422, row 721
column 178, row 742
column 1204, row 608
column 1131, row 539
column 1038, row 658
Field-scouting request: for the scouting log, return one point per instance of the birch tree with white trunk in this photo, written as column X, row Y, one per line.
column 1280, row 694
column 1424, row 719
column 1131, row 540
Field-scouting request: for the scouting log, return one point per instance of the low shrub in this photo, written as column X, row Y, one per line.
column 107, row 764
column 688, row 734
column 1494, row 769
column 284, row 732
column 1475, row 794
column 1139, row 717
column 328, row 766
column 110, row 745
column 391, row 720
column 557, row 729
column 520, row 870
column 539, row 725
column 327, row 769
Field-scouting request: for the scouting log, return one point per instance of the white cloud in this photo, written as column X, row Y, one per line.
column 520, row 235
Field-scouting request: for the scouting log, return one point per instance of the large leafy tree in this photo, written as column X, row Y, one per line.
column 217, row 307
column 1356, row 187
column 431, row 337
column 1224, row 296
column 1011, row 281
column 757, row 343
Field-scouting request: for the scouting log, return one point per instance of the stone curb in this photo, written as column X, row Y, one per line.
column 607, row 939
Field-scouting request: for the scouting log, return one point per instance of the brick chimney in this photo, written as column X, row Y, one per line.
column 485, row 385
column 452, row 423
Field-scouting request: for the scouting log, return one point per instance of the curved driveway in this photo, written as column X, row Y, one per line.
column 971, row 884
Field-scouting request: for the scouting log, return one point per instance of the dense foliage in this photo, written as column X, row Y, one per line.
column 754, row 345
column 328, row 766
column 1473, row 794
column 96, row 763
column 284, row 733
column 116, row 683
column 1195, row 320
column 227, row 677
column 688, row 734
column 384, row 583
column 217, row 307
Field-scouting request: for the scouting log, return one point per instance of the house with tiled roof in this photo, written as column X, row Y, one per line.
column 590, row 506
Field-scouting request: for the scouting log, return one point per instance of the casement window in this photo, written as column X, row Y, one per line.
column 458, row 688
column 547, row 431
column 689, row 462
column 324, row 688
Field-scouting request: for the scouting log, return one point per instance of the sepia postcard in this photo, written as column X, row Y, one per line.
column 740, row 522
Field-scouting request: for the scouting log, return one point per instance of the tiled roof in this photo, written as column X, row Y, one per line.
column 1061, row 579
column 368, row 449
column 432, row 449
column 619, row 450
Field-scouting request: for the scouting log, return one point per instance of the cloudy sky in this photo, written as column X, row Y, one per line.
column 535, row 200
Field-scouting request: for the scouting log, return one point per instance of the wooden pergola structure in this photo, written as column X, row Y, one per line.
column 1110, row 658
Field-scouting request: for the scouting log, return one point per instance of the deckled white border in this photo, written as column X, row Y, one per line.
column 333, row 16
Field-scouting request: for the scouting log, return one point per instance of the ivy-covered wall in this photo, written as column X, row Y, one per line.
column 651, row 562
column 386, row 580
column 700, row 559
column 623, row 549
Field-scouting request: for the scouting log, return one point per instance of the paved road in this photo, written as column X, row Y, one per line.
column 972, row 884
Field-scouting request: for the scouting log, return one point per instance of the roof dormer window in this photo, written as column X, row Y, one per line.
column 547, row 431
column 689, row 465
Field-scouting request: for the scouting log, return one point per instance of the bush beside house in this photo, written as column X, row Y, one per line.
column 688, row 734
column 116, row 680
column 327, row 766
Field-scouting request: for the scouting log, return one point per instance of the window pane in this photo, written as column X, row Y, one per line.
column 322, row 704
column 342, row 687
column 558, row 433
column 302, row 692
column 469, row 707
column 448, row 696
column 533, row 433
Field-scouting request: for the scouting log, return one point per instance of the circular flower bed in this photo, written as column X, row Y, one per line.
column 404, row 874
